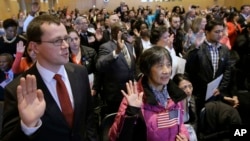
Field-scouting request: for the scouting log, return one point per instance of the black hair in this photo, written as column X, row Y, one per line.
column 231, row 16
column 179, row 77
column 10, row 59
column 9, row 23
column 212, row 23
column 152, row 56
column 156, row 33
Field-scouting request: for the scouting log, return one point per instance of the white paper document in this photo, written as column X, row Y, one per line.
column 211, row 86
column 91, row 79
column 181, row 65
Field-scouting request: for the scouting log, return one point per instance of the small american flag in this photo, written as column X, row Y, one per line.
column 168, row 118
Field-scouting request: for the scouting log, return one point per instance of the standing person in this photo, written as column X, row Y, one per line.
column 108, row 23
column 242, row 47
column 196, row 35
column 38, row 105
column 6, row 73
column 85, row 56
column 116, row 66
column 142, row 40
column 244, row 15
column 176, row 29
column 161, row 37
column 11, row 38
column 80, row 54
column 21, row 63
column 89, row 39
column 151, row 109
column 233, row 27
column 207, row 62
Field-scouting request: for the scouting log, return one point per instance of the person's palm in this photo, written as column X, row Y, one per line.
column 20, row 47
column 31, row 103
column 133, row 97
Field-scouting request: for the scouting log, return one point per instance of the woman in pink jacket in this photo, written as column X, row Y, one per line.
column 152, row 109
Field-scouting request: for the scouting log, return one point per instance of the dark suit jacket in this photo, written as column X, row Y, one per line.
column 106, row 36
column 54, row 126
column 84, row 41
column 178, row 40
column 114, row 72
column 242, row 21
column 200, row 70
column 88, row 58
column 138, row 48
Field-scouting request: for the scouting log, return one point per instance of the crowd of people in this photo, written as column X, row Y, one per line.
column 62, row 72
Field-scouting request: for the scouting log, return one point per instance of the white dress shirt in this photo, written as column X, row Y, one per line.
column 50, row 82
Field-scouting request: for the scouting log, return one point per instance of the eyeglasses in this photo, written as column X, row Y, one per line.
column 58, row 42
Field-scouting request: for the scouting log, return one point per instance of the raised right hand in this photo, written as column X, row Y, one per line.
column 133, row 97
column 120, row 43
column 31, row 103
column 20, row 47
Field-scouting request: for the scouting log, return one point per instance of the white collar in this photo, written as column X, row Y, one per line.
column 48, row 75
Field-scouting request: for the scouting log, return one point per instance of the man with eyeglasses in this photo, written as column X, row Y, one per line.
column 35, row 107
column 88, row 38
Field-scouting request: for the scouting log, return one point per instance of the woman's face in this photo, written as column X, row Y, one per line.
column 236, row 18
column 160, row 73
column 11, row 32
column 203, row 23
column 31, row 53
column 163, row 40
column 186, row 86
column 75, row 41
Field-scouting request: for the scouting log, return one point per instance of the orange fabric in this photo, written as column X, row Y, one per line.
column 20, row 64
column 73, row 57
column 232, row 32
column 225, row 40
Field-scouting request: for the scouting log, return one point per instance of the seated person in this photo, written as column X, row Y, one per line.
column 190, row 115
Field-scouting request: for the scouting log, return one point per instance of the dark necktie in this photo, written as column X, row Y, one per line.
column 64, row 99
column 126, row 56
column 85, row 36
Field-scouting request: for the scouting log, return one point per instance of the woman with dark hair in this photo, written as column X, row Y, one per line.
column 25, row 58
column 9, row 40
column 190, row 115
column 234, row 28
column 161, row 37
column 178, row 10
column 142, row 37
column 152, row 109
column 81, row 54
column 159, row 20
